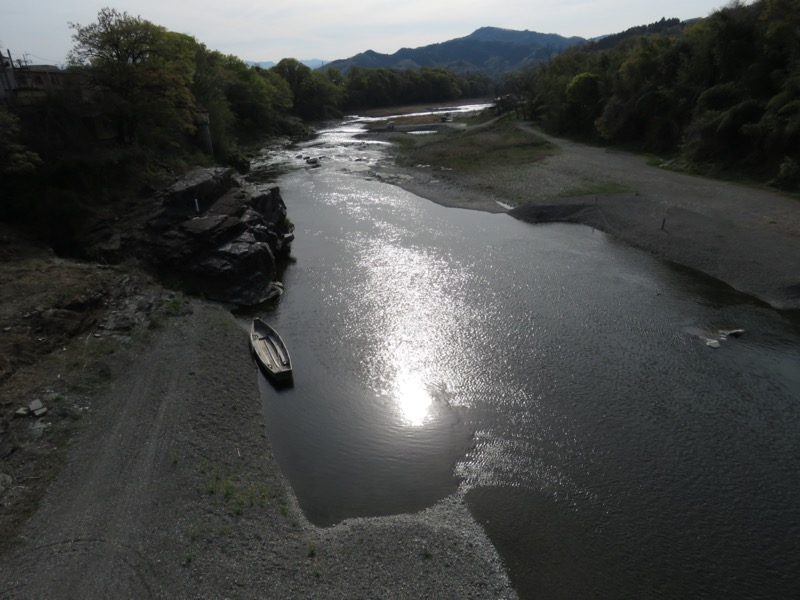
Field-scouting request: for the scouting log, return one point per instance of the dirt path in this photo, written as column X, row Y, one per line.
column 120, row 511
column 746, row 237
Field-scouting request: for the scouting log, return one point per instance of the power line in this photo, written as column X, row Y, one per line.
column 23, row 59
column 49, row 60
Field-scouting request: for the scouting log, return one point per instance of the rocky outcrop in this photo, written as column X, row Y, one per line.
column 221, row 235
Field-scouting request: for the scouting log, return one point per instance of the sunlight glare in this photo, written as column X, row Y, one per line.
column 412, row 398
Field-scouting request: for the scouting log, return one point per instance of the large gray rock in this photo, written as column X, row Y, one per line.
column 225, row 245
column 203, row 185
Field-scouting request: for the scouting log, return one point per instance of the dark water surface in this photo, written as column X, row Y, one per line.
column 556, row 379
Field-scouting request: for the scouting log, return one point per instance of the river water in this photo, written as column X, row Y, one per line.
column 555, row 379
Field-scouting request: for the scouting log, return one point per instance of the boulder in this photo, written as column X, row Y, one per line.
column 201, row 185
column 210, row 230
column 226, row 244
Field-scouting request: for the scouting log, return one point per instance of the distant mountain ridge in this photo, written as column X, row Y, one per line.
column 490, row 50
column 313, row 63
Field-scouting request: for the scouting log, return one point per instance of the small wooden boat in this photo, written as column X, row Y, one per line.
column 270, row 350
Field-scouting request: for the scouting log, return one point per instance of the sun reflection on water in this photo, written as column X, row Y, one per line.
column 415, row 325
column 412, row 397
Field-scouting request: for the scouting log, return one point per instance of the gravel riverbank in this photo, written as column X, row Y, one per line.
column 746, row 237
column 166, row 486
column 171, row 491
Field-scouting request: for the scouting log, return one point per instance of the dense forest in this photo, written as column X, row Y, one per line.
column 140, row 101
column 720, row 96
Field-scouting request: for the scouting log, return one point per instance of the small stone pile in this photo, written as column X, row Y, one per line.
column 35, row 408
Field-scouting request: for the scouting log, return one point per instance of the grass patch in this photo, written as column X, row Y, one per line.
column 499, row 143
column 194, row 533
column 103, row 346
column 238, row 505
column 212, row 480
column 597, row 188
column 241, row 496
column 404, row 144
column 227, row 489
column 226, row 324
column 653, row 160
column 283, row 507
column 175, row 307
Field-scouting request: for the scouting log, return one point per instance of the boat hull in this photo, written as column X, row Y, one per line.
column 270, row 350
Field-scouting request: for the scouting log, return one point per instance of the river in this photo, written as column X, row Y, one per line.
column 555, row 379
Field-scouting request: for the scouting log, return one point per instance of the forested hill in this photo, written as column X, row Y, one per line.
column 489, row 50
column 664, row 27
column 720, row 96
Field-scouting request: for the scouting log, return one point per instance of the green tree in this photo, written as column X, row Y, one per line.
column 315, row 95
column 647, row 104
column 209, row 91
column 357, row 88
column 165, row 103
column 545, row 87
column 15, row 158
column 583, row 103
column 140, row 72
column 300, row 80
column 278, row 93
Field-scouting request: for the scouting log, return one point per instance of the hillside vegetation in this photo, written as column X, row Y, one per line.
column 141, row 103
column 721, row 96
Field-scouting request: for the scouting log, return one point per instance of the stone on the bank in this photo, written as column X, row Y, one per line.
column 197, row 189
column 38, row 428
column 6, row 481
column 228, row 248
column 118, row 322
column 732, row 332
column 218, row 232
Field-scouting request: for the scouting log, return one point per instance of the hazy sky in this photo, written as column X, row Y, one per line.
column 262, row 30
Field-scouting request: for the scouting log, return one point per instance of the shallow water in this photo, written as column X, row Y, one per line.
column 558, row 380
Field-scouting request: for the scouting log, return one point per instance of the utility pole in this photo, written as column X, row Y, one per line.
column 7, row 83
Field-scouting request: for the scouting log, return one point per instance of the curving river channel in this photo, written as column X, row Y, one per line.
column 555, row 379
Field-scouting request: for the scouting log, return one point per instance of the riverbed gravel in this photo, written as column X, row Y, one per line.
column 170, row 490
column 745, row 236
column 167, row 486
